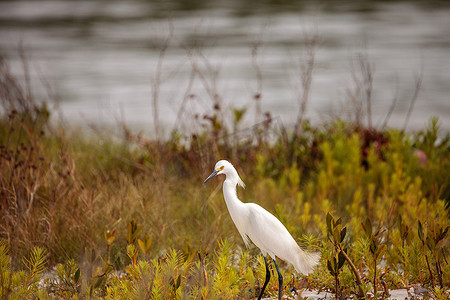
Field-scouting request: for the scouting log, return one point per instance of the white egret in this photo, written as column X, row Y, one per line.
column 262, row 228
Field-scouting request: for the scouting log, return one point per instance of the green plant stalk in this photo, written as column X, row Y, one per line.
column 439, row 273
column 375, row 276
column 355, row 272
column 336, row 278
column 428, row 265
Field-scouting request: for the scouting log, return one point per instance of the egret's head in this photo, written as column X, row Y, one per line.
column 225, row 167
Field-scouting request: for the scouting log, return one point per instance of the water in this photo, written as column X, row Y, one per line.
column 100, row 59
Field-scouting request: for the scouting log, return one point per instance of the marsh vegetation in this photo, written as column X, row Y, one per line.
column 126, row 216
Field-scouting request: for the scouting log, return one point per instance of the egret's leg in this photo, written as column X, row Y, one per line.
column 267, row 279
column 280, row 280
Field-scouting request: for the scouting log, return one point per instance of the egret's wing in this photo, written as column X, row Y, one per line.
column 271, row 236
column 266, row 231
column 240, row 219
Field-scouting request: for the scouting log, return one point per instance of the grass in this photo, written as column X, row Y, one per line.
column 129, row 218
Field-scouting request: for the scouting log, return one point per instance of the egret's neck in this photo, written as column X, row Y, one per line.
column 229, row 193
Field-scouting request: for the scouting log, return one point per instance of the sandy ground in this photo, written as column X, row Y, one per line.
column 400, row 294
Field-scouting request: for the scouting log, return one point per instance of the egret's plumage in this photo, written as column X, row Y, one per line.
column 261, row 227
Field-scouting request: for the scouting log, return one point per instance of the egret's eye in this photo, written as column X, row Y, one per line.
column 220, row 168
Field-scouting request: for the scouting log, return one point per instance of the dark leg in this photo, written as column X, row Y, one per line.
column 280, row 281
column 267, row 279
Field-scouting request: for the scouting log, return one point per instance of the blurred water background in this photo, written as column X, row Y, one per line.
column 98, row 59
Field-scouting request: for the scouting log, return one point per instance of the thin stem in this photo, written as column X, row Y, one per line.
column 439, row 273
column 392, row 107
column 156, row 82
column 306, row 72
column 414, row 98
column 367, row 77
column 355, row 272
column 336, row 279
column 429, row 268
column 375, row 277
column 259, row 77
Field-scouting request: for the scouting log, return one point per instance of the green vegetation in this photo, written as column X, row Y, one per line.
column 93, row 217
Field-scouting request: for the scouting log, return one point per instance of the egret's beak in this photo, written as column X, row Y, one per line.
column 214, row 173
